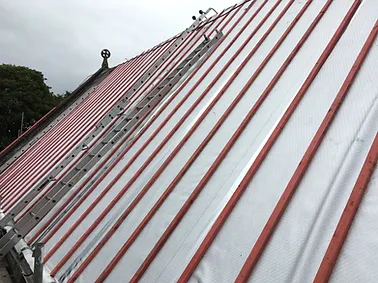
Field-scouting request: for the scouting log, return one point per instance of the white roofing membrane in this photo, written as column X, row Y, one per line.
column 302, row 236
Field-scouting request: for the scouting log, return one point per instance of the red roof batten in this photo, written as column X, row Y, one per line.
column 269, row 228
column 350, row 210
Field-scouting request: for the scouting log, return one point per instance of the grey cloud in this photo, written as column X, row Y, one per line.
column 63, row 39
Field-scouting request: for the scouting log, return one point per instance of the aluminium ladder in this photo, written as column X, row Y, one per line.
column 41, row 208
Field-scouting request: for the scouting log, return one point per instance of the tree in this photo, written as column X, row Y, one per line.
column 22, row 90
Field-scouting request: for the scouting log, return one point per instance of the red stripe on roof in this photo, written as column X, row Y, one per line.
column 170, row 188
column 299, row 172
column 221, row 219
column 229, row 144
column 124, row 215
column 197, row 152
column 350, row 210
column 346, row 220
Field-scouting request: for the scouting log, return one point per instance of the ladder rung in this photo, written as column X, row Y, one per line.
column 198, row 49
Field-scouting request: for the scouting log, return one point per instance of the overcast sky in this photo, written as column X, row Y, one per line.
column 63, row 38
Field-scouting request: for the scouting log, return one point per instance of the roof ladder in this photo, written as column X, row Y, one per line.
column 41, row 208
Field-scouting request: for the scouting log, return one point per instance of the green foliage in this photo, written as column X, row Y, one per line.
column 22, row 90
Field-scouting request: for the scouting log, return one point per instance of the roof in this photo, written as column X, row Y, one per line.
column 251, row 166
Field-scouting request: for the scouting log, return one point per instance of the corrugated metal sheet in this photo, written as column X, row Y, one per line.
column 243, row 172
